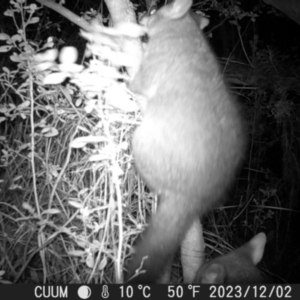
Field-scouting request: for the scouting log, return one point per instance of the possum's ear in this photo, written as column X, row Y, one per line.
column 201, row 21
column 177, row 9
column 255, row 247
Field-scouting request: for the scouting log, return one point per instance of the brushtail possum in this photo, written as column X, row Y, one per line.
column 236, row 267
column 191, row 140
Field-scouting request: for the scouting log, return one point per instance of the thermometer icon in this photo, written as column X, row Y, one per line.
column 105, row 293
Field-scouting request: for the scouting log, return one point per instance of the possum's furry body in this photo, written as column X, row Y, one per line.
column 190, row 142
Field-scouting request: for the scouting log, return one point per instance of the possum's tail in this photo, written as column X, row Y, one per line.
column 159, row 242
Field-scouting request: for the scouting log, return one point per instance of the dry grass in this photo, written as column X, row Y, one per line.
column 70, row 215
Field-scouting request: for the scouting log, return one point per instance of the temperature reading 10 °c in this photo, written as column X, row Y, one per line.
column 128, row 291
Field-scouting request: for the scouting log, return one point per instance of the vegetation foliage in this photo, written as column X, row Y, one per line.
column 71, row 203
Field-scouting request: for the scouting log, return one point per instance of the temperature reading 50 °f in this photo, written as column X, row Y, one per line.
column 175, row 291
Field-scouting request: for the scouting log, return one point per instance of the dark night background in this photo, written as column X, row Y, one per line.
column 260, row 60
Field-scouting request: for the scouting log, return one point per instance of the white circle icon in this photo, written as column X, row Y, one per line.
column 84, row 292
